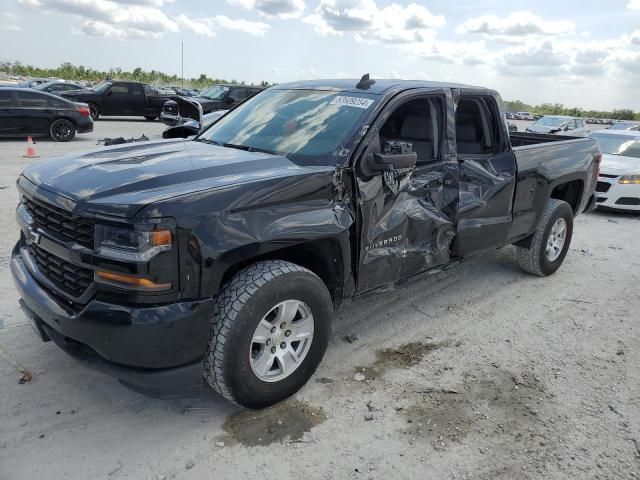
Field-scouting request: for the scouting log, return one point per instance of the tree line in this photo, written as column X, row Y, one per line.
column 68, row 71
column 559, row 109
column 72, row 72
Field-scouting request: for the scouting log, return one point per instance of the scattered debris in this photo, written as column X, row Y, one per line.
column 577, row 301
column 611, row 220
column 120, row 140
column 368, row 417
column 438, row 390
column 115, row 470
column 2, row 187
column 324, row 380
column 586, row 252
column 27, row 376
column 614, row 410
column 190, row 464
column 352, row 337
column 359, row 377
column 220, row 444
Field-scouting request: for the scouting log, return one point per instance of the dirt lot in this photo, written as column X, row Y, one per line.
column 483, row 372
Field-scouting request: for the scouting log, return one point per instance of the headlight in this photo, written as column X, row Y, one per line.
column 131, row 244
column 630, row 179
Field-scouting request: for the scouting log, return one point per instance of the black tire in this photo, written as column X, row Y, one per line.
column 94, row 111
column 533, row 259
column 240, row 306
column 62, row 130
column 151, row 118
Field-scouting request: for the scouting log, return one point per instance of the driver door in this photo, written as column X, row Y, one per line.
column 406, row 215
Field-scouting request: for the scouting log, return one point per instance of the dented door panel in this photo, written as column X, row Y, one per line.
column 408, row 217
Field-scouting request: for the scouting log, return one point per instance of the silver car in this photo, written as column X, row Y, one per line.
column 560, row 125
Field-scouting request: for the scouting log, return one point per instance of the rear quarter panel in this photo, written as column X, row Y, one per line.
column 544, row 166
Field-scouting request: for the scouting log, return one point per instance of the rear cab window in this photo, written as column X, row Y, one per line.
column 478, row 126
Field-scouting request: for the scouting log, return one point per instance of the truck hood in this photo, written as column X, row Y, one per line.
column 619, row 165
column 121, row 180
column 543, row 129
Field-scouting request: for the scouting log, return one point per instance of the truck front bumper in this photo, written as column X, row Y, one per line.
column 155, row 350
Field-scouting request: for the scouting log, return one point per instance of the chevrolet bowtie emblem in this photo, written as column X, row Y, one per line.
column 34, row 237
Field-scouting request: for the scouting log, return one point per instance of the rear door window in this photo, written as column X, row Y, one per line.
column 477, row 126
column 31, row 100
column 6, row 99
column 238, row 94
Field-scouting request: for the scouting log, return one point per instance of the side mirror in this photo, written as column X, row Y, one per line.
column 397, row 154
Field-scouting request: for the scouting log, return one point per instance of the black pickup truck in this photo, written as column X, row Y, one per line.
column 119, row 98
column 225, row 256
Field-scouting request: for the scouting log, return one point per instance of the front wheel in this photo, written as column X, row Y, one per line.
column 550, row 243
column 270, row 329
column 62, row 130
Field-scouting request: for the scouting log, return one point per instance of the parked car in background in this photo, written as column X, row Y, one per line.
column 619, row 179
column 56, row 87
column 625, row 125
column 560, row 124
column 120, row 98
column 225, row 256
column 509, row 116
column 524, row 116
column 216, row 97
column 27, row 112
column 32, row 82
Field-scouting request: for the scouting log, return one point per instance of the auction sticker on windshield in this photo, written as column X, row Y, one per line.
column 352, row 102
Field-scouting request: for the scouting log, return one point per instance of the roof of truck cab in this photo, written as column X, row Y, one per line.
column 380, row 87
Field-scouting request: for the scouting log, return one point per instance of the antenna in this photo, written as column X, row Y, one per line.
column 365, row 82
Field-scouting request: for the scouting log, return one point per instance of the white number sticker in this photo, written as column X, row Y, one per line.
column 352, row 102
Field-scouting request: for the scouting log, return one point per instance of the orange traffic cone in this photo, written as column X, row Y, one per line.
column 31, row 151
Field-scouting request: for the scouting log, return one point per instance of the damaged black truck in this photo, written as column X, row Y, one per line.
column 222, row 258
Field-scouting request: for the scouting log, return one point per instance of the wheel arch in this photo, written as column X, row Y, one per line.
column 324, row 256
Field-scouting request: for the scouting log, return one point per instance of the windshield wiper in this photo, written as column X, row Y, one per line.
column 211, row 142
column 250, row 149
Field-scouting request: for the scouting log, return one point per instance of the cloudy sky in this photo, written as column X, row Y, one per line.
column 581, row 53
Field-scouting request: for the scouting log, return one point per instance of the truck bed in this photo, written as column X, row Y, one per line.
column 522, row 139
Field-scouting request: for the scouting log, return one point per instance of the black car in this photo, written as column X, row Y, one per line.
column 27, row 112
column 224, row 256
column 122, row 98
column 56, row 87
column 216, row 97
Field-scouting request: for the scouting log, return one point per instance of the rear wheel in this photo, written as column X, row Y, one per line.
column 549, row 244
column 62, row 130
column 94, row 111
column 269, row 332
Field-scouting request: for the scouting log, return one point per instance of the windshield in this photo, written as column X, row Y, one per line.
column 551, row 122
column 306, row 126
column 101, row 87
column 626, row 146
column 217, row 92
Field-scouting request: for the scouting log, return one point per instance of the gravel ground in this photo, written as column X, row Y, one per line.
column 483, row 372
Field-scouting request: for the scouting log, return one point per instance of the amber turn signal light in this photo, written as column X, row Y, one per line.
column 137, row 283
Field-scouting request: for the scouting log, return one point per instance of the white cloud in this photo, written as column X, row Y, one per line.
column 515, row 26
column 273, row 8
column 200, row 27
column 633, row 5
column 11, row 16
column 394, row 23
column 111, row 18
column 12, row 28
column 207, row 26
